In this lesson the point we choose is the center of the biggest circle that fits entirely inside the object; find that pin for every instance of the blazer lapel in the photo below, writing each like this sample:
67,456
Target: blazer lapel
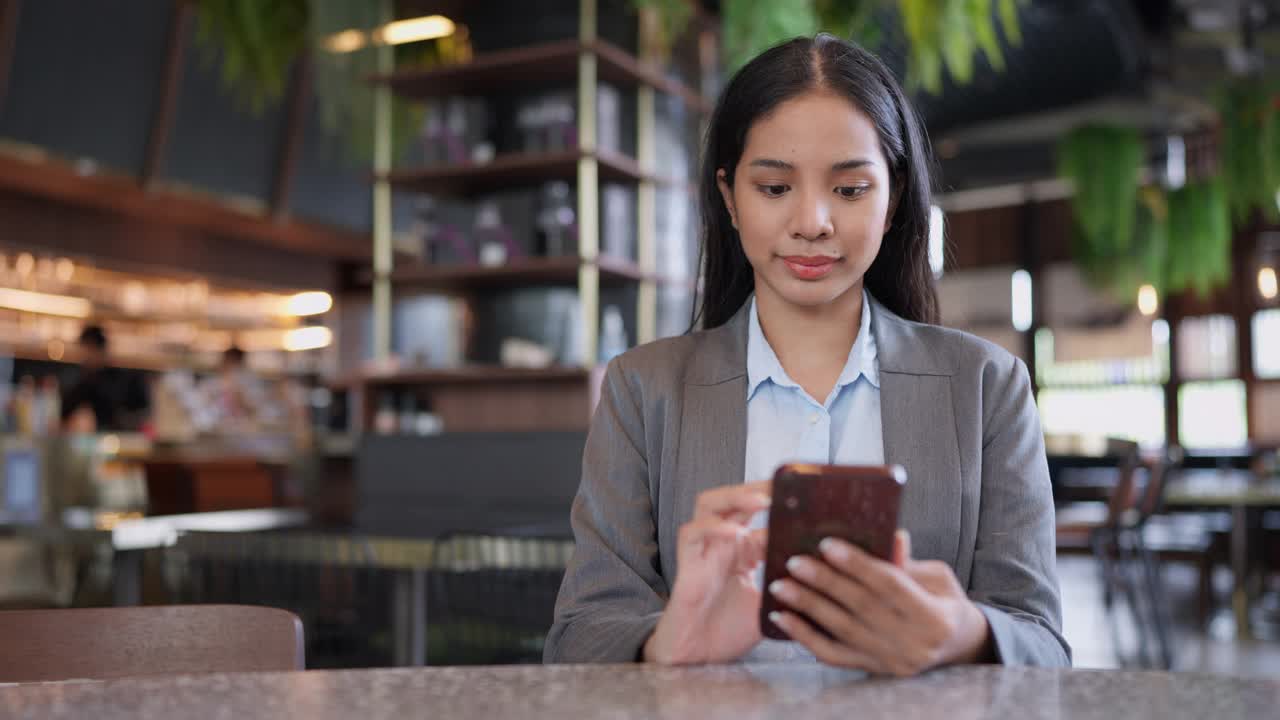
713,425
918,424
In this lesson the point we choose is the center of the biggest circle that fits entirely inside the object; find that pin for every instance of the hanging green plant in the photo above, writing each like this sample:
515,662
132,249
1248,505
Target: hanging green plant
751,26
344,94
257,43
1251,146
1199,238
673,18
950,32
941,34
1103,164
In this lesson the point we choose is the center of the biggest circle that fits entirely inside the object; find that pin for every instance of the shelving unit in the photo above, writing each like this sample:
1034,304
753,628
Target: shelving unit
469,399
494,398
502,70
525,272
517,169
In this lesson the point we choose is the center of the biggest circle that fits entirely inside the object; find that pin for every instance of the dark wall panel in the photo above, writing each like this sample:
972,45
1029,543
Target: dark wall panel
85,76
330,186
521,483
218,142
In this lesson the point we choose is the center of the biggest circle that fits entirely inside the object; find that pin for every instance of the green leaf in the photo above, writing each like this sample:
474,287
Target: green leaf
752,26
1199,238
1250,154
1103,165
956,43
1009,21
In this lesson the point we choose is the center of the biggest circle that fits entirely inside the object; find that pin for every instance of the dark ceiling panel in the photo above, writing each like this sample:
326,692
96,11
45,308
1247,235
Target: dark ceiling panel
1072,51
218,143
84,78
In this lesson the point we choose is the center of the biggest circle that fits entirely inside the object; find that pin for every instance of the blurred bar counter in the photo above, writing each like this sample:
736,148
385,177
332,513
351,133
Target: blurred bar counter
110,475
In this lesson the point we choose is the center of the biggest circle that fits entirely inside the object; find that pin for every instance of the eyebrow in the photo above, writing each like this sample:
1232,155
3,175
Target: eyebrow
784,165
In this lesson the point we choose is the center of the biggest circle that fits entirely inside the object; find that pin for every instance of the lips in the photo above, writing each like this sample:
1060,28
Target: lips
810,267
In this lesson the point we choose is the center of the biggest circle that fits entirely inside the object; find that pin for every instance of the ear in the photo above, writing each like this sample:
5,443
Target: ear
726,193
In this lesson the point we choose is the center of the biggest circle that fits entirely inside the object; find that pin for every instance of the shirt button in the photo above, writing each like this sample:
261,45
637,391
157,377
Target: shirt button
814,418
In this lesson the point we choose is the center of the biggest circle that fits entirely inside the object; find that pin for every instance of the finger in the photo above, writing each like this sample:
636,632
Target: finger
885,581
753,550
823,647
901,548
849,593
737,501
734,543
850,628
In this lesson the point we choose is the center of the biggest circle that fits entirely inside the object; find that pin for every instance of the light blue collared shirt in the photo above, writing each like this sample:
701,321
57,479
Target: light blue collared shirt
785,424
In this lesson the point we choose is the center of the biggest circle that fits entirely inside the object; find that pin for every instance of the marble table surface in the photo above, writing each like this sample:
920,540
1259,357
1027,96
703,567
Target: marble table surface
793,692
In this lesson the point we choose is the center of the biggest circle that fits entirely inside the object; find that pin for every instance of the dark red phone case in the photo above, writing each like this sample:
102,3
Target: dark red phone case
855,503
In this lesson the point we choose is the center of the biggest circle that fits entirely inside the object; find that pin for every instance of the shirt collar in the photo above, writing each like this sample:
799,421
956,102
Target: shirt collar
763,364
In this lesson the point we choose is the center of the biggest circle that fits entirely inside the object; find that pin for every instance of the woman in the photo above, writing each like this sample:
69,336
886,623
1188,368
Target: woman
819,345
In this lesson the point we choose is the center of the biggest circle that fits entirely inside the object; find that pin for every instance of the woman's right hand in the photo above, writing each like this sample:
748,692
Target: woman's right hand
713,612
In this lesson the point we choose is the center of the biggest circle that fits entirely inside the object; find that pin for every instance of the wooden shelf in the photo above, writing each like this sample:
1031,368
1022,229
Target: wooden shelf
475,374
506,70
35,173
518,273
506,171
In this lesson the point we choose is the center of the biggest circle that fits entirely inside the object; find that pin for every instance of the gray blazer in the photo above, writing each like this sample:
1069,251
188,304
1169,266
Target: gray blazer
957,413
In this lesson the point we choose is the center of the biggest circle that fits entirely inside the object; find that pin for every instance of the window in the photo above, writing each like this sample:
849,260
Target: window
1212,414
1121,355
1266,343
1104,382
1133,412
1207,347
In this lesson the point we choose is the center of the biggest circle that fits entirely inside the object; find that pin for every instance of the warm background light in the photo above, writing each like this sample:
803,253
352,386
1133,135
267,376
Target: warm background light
44,304
65,270
430,27
308,303
345,41
307,338
1267,283
1148,300
415,30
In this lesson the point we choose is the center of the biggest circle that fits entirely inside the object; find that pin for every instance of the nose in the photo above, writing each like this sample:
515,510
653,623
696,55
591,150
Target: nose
811,220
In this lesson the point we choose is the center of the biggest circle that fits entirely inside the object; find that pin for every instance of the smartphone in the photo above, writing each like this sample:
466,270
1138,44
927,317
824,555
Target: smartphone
855,503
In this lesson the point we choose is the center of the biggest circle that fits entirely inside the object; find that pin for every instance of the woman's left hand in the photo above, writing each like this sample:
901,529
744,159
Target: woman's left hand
898,618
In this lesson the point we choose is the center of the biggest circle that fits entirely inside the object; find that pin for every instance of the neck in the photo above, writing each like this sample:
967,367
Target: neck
812,343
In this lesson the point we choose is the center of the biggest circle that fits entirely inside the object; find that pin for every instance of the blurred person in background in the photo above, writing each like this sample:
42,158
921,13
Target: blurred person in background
103,399
234,392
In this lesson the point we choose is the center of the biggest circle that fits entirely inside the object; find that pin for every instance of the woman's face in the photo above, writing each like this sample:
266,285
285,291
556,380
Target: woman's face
811,200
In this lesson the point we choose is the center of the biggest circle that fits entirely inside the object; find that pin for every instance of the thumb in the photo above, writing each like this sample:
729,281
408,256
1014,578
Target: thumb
901,548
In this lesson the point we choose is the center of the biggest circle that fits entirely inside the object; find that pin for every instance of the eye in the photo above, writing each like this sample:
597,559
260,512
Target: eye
851,192
773,191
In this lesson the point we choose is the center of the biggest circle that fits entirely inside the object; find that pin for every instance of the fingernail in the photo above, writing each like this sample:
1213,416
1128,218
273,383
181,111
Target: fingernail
775,617
796,566
777,587
833,549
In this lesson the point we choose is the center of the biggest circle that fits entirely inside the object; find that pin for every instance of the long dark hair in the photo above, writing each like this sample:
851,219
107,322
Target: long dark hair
900,277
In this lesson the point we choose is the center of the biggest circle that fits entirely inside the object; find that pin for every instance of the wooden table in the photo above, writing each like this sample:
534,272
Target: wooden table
637,691
1244,494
